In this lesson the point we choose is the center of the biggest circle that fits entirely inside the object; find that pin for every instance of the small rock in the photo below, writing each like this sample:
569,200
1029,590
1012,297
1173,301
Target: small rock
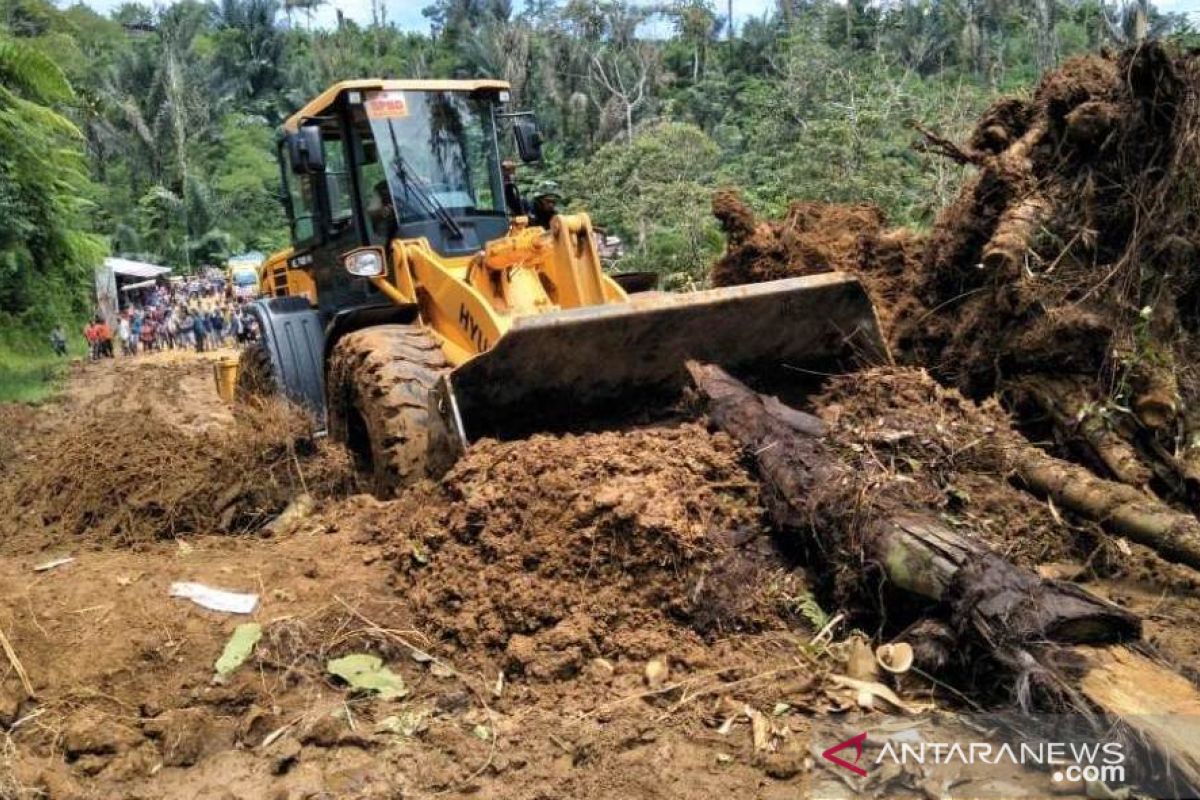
329,731
187,735
657,673
783,765
452,701
601,669
256,724
324,731
133,764
521,651
56,782
92,763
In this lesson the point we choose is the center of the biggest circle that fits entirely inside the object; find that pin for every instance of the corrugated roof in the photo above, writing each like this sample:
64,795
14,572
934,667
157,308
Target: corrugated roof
134,269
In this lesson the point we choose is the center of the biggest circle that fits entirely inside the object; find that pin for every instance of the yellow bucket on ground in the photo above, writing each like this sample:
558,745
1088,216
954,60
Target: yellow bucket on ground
225,372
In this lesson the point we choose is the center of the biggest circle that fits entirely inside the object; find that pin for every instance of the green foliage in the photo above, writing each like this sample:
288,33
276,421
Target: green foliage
45,258
655,194
29,369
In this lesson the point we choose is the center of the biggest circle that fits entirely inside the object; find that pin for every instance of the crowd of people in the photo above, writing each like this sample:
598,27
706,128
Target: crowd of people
169,317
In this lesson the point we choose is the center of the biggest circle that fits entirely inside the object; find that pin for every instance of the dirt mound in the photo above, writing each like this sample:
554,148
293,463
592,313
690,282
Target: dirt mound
814,238
128,478
1061,280
558,550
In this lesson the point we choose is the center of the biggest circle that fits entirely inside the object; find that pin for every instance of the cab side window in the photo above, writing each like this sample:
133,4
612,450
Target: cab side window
337,182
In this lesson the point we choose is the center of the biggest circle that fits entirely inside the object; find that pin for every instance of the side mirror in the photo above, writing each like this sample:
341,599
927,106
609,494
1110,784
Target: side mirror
305,150
529,140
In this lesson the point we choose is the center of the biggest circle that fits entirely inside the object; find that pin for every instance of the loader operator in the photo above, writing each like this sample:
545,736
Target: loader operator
381,211
546,198
545,204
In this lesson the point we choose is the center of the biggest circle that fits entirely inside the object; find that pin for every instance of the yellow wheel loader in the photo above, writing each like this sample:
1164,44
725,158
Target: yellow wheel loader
421,307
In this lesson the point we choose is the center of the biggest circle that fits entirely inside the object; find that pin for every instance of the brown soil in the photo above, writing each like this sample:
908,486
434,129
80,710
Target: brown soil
814,238
567,564
615,545
522,599
131,478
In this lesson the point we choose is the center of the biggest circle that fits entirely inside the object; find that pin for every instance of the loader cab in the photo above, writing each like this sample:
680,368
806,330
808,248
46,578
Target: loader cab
369,162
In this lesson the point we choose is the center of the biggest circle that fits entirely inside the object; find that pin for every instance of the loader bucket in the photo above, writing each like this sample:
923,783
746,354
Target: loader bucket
578,363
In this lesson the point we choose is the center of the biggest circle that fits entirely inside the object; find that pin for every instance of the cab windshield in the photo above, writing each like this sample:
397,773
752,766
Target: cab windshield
436,154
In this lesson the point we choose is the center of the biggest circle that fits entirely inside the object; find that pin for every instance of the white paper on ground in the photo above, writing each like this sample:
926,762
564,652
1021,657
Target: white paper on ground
215,599
58,562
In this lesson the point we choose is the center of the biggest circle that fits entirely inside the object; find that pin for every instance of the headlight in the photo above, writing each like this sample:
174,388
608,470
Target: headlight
366,263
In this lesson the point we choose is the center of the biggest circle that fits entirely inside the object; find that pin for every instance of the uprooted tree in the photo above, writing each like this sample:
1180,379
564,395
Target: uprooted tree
1062,280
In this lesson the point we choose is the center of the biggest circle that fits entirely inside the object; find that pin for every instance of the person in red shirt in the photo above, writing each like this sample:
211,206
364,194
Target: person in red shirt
104,338
89,333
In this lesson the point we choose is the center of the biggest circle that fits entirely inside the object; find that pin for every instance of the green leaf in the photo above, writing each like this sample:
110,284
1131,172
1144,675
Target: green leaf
366,673
239,647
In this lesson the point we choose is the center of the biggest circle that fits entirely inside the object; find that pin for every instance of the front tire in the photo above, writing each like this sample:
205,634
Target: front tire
380,386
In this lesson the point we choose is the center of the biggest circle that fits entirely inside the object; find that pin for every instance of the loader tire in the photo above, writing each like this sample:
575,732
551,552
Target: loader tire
255,379
381,404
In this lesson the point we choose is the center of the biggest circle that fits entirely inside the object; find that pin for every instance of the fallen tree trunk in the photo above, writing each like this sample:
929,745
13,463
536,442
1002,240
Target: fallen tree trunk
999,603
1121,509
1065,403
1028,622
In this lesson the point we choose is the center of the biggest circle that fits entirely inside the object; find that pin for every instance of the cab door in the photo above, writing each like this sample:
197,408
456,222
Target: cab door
342,223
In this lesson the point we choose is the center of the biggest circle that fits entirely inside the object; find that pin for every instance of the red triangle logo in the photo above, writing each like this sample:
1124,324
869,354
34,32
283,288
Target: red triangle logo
857,743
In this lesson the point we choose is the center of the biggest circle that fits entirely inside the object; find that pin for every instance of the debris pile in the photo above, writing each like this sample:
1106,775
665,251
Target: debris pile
913,444
1061,280
814,238
128,478
1063,276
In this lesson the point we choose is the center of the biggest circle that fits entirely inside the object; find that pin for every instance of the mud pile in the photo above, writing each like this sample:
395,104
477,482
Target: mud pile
814,238
558,550
127,478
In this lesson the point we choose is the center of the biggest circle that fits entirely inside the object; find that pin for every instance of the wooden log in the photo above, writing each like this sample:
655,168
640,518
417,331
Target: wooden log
1161,707
1066,403
1011,241
1121,509
1000,604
